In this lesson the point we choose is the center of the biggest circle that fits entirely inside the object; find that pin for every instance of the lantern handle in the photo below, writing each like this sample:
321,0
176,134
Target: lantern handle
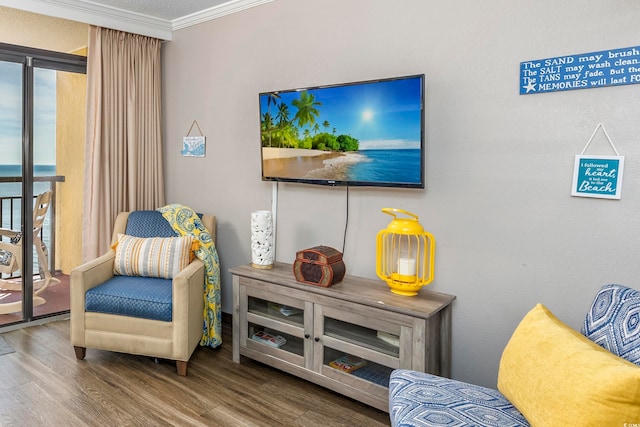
393,211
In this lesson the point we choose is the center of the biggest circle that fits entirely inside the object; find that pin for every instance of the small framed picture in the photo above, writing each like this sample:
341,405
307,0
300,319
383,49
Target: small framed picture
597,176
193,146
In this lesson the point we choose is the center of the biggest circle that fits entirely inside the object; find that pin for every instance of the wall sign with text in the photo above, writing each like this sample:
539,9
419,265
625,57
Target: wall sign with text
584,71
194,146
597,176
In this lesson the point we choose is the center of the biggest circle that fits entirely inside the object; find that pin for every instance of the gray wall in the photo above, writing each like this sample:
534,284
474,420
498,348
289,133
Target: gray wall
499,165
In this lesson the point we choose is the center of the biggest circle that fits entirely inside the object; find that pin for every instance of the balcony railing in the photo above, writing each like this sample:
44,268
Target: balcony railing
11,209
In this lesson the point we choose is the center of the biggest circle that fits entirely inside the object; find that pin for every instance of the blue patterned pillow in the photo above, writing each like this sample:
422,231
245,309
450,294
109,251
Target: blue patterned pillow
613,321
418,399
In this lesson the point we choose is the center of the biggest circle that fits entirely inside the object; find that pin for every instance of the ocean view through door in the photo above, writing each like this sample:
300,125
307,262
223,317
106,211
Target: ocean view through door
41,166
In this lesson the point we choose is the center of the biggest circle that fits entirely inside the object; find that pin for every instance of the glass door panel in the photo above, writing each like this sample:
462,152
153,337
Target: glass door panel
275,338
59,110
44,173
11,107
43,103
357,366
276,325
276,311
364,353
380,341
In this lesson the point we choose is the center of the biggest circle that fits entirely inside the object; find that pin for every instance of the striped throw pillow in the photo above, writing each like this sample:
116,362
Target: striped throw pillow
162,257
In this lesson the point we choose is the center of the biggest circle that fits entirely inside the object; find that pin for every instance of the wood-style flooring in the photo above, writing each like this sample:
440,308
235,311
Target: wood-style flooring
42,384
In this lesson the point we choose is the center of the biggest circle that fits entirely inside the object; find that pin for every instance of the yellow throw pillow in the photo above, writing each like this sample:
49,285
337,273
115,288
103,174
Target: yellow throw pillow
556,376
162,257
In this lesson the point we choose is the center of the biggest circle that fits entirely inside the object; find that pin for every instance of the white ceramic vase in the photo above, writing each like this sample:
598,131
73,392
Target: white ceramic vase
262,250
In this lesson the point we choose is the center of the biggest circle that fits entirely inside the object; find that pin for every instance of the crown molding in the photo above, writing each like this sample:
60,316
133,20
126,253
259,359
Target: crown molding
124,20
96,14
215,12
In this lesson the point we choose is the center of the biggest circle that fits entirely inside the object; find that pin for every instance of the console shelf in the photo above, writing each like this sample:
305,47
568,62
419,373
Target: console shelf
358,317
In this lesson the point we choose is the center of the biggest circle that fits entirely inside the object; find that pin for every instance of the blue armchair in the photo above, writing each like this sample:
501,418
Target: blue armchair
568,381
140,313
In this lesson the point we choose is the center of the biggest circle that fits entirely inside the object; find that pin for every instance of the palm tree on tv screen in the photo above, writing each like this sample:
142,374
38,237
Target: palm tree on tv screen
307,111
279,130
267,125
272,98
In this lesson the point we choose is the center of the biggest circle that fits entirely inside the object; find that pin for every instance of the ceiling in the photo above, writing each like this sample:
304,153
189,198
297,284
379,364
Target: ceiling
163,9
155,18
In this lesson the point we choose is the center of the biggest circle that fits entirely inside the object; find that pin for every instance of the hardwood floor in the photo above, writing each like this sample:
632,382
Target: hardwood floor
42,383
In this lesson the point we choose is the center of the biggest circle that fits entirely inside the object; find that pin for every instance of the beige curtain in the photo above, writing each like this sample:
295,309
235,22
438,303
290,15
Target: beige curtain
123,157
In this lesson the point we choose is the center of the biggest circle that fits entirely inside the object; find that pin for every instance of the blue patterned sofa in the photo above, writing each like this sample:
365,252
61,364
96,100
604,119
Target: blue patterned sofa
612,322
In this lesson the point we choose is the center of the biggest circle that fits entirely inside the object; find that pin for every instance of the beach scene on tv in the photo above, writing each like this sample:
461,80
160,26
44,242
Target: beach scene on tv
367,133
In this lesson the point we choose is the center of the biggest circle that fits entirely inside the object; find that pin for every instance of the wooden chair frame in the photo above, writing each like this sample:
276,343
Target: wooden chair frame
13,256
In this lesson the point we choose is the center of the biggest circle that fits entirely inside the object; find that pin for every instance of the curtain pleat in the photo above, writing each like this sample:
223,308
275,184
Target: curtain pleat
123,163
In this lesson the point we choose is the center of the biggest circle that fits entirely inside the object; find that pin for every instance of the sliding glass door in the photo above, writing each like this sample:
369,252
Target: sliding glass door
41,167
11,129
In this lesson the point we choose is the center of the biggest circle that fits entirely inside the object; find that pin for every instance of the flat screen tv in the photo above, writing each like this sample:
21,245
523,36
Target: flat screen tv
368,133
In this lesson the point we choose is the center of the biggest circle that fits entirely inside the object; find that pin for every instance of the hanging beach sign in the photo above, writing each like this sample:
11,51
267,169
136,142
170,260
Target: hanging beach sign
583,71
193,146
598,176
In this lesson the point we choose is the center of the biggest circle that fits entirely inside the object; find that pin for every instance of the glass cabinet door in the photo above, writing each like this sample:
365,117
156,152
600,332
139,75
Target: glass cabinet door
276,325
355,353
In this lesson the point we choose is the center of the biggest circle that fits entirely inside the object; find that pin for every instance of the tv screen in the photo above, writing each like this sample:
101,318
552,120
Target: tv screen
368,133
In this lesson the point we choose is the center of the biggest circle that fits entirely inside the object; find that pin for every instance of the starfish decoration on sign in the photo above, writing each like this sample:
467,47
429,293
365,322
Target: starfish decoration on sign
531,86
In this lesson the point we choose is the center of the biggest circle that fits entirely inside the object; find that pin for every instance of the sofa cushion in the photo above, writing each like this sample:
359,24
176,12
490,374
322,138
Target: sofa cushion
162,257
144,297
148,223
557,377
613,321
420,399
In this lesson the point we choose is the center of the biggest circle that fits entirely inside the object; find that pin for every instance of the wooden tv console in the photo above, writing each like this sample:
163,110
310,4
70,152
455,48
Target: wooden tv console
358,317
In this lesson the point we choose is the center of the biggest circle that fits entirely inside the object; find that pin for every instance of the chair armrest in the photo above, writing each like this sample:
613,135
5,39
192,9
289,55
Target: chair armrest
188,308
92,273
83,278
190,271
10,247
189,282
5,232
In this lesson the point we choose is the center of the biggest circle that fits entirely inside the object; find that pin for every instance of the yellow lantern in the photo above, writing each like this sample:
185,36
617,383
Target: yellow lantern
405,254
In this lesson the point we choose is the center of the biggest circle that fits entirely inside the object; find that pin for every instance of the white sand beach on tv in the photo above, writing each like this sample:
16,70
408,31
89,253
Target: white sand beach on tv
307,164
